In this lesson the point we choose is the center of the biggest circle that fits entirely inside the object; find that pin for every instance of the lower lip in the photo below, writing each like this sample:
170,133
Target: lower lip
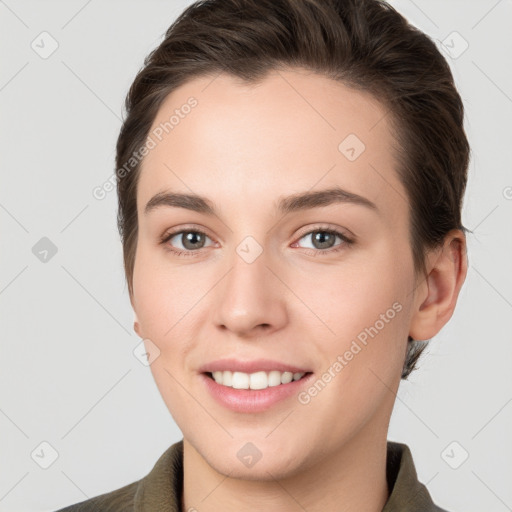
252,400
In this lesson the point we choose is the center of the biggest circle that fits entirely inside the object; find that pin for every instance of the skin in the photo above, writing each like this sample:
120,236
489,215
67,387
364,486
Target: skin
244,147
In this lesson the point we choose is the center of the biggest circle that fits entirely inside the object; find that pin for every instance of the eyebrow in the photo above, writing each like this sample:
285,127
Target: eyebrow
293,203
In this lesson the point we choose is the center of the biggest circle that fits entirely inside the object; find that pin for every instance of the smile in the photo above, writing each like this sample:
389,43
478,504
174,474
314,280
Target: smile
256,380
253,392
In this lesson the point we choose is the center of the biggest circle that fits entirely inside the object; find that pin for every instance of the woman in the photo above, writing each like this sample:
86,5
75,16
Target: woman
290,179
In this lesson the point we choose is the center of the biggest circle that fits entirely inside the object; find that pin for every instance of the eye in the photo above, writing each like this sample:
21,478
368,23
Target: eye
191,240
188,242
323,240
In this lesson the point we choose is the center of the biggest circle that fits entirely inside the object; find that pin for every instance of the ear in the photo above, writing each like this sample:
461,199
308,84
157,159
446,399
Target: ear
436,295
136,325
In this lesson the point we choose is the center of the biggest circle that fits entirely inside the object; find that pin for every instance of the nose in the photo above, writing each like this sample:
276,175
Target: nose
250,299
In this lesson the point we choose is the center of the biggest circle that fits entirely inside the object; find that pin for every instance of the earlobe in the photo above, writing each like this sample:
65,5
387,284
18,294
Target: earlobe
136,325
447,268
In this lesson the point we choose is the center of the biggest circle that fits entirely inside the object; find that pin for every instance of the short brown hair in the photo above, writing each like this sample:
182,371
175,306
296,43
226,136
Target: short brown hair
365,44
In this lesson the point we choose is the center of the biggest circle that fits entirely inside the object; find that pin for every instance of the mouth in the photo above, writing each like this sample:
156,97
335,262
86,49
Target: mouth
253,385
255,392
255,381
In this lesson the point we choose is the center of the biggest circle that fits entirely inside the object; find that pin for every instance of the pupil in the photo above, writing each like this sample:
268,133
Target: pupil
321,236
190,239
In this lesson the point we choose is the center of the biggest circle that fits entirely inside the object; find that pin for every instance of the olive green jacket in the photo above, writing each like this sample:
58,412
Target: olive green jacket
161,489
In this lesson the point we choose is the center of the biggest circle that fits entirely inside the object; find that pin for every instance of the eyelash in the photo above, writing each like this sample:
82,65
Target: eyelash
347,242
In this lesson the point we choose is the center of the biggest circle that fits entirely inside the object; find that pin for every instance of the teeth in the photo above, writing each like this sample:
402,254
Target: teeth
286,377
274,378
257,380
240,380
227,378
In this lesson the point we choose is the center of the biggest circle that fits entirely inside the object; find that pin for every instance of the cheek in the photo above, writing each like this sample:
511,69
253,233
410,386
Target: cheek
153,297
168,301
366,311
153,311
351,297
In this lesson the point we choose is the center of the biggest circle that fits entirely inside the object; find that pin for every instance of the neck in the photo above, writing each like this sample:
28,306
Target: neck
352,478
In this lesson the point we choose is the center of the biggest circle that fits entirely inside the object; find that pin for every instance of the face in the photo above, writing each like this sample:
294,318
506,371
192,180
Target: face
254,286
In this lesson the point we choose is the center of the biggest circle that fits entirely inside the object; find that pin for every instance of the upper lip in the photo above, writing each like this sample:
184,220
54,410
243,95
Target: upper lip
255,365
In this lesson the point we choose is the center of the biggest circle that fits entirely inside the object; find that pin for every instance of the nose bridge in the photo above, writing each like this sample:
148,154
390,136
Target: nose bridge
250,296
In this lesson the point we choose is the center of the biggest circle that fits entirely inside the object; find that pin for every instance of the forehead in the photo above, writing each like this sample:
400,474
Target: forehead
292,131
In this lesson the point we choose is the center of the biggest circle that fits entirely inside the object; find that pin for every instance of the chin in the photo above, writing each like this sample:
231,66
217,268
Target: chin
264,470
257,460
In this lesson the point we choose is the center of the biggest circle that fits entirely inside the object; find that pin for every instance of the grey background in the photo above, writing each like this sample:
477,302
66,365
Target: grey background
68,374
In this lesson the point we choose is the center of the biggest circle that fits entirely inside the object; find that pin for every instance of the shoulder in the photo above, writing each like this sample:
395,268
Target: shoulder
120,499
406,491
161,487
